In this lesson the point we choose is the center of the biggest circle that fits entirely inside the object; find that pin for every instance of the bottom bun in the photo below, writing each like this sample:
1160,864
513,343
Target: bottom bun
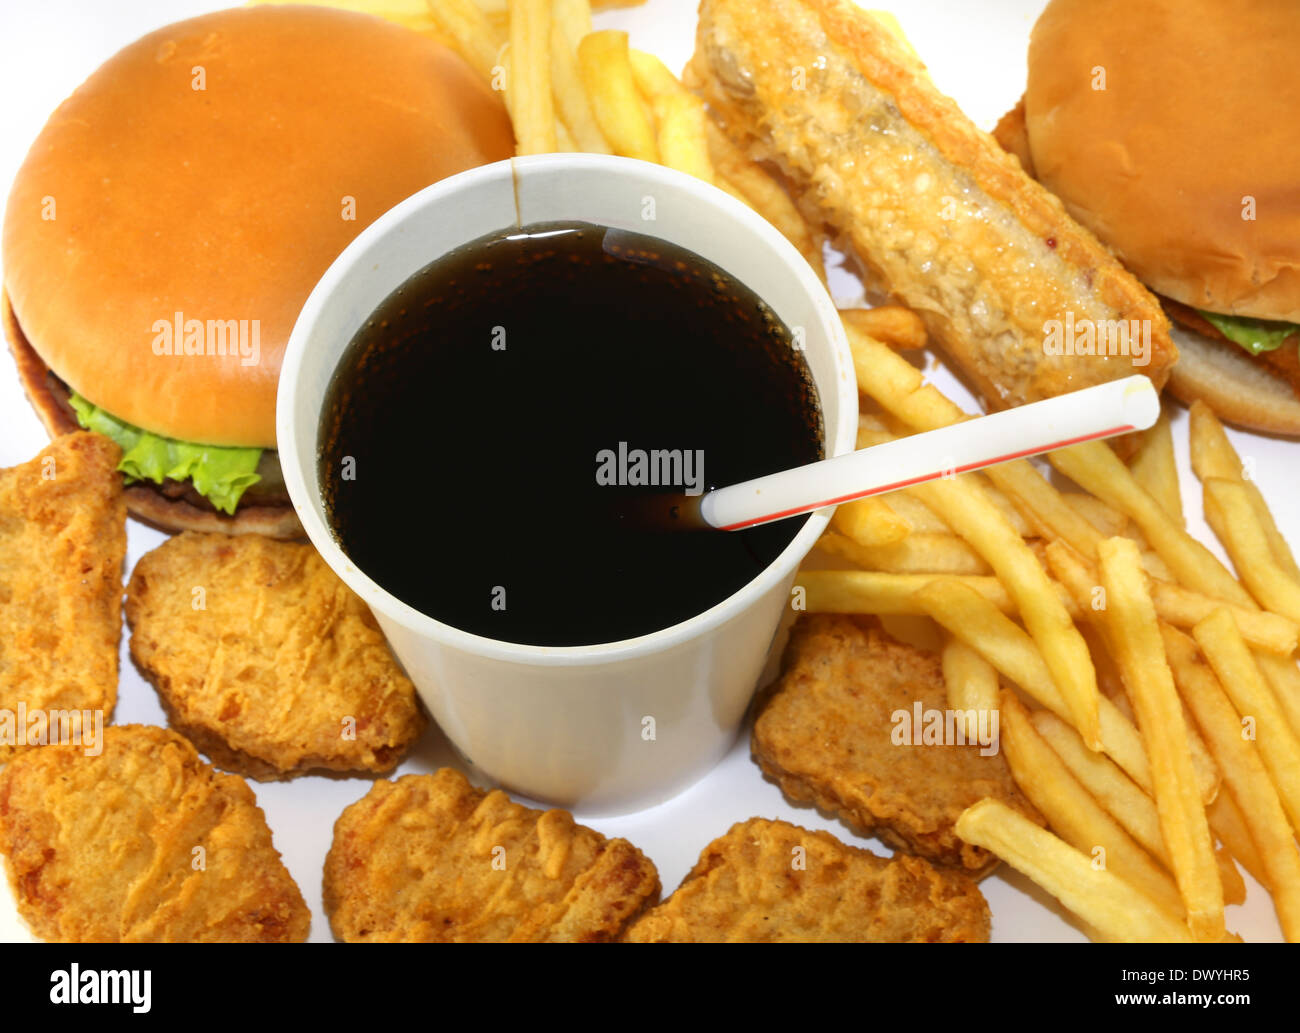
144,501
152,507
1240,389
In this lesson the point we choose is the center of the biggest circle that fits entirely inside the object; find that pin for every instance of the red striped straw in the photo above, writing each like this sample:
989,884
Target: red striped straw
1094,413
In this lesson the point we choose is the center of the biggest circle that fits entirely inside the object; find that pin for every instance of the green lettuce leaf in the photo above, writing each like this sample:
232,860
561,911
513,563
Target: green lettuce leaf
1255,335
220,474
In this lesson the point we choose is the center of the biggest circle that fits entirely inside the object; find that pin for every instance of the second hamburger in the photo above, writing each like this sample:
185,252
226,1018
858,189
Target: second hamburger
1169,128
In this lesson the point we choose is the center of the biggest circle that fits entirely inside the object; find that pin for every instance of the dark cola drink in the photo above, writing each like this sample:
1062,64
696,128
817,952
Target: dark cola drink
487,428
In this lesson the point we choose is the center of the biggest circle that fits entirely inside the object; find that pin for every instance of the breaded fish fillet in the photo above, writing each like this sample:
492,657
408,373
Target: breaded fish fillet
770,881
825,734
429,858
142,843
265,660
938,214
62,542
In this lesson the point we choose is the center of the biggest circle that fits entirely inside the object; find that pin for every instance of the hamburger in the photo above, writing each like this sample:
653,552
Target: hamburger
175,212
1169,128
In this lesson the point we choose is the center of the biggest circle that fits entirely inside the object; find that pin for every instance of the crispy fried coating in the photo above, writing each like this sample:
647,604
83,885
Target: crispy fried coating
940,217
770,881
825,734
142,843
62,542
265,660
429,858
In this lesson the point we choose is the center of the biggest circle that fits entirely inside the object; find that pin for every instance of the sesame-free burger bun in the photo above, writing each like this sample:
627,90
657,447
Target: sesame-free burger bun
215,168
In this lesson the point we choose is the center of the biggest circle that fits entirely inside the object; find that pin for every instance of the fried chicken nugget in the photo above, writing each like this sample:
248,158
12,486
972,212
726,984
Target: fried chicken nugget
62,542
770,881
429,858
142,843
265,660
825,733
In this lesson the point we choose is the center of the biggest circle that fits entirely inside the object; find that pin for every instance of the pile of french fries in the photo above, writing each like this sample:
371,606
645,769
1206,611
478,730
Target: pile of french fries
1149,700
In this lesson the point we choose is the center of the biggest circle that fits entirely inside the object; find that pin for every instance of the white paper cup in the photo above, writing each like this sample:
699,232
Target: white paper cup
610,727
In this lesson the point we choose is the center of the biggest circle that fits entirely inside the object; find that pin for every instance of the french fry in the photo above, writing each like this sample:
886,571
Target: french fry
1283,675
532,109
573,18
1010,513
1214,456
1226,823
915,554
1108,521
870,521
1108,677
878,592
765,195
681,135
895,325
1234,886
1094,467
1134,636
1279,747
680,118
571,96
971,684
413,14
918,632
1155,469
1177,605
1244,776
476,39
1048,511
1071,811
869,436
607,75
918,515
652,76
1008,647
1234,520
564,141
897,385
1114,908
968,509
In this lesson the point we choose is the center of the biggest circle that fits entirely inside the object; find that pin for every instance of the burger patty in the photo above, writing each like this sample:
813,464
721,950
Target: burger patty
1283,361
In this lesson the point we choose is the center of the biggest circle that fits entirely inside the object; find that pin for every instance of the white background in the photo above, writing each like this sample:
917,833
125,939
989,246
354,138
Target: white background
975,52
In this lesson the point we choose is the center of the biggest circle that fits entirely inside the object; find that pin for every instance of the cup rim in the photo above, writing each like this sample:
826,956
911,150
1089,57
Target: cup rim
839,439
